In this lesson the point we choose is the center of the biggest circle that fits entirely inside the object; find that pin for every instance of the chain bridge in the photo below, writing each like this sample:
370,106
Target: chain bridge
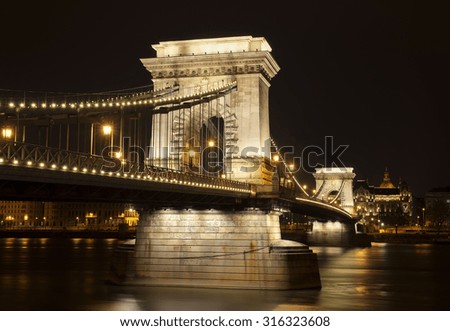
193,148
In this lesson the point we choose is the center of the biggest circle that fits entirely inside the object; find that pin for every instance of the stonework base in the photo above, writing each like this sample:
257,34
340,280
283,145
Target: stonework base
216,249
331,233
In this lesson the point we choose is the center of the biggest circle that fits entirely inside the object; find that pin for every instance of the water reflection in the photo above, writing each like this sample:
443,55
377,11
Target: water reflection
69,274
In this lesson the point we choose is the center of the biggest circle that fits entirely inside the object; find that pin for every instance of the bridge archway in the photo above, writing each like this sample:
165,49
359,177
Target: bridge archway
212,146
333,195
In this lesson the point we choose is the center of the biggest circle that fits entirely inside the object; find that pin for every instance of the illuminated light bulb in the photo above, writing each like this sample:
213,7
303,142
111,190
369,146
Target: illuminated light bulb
64,167
72,105
75,169
22,105
88,105
53,166
29,163
53,105
63,105
1,160
44,105
125,175
7,133
102,171
84,170
118,174
107,129
16,162
11,105
110,104
33,105
94,171
117,104
41,164
103,104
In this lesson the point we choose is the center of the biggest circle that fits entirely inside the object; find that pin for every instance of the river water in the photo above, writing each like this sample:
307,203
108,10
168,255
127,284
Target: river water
69,274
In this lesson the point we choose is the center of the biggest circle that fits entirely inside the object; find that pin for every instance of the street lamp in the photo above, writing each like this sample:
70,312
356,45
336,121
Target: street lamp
7,133
191,155
108,131
423,217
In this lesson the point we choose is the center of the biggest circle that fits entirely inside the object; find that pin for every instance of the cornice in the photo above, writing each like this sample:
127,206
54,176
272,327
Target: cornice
212,65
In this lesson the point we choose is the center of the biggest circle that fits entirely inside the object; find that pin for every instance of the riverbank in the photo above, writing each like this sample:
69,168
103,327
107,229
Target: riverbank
410,238
114,234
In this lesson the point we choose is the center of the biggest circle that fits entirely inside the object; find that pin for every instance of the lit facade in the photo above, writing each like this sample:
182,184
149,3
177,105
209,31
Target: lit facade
69,215
383,205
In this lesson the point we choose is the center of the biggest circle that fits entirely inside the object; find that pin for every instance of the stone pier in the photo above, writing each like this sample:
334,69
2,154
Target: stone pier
217,249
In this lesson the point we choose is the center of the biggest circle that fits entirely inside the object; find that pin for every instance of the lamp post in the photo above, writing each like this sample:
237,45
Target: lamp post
191,157
108,131
7,133
423,217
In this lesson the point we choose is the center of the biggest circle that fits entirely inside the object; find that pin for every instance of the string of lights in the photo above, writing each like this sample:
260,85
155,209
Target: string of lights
288,168
153,98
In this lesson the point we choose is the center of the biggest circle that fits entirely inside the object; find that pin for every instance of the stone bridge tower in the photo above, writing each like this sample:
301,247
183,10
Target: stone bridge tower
238,122
335,185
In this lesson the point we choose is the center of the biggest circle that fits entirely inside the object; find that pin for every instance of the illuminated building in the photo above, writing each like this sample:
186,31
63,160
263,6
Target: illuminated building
68,215
383,205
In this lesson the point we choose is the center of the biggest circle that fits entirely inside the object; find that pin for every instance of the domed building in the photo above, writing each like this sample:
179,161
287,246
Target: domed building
385,204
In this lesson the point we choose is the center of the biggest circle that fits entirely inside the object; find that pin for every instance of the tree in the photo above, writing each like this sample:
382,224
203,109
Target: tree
439,214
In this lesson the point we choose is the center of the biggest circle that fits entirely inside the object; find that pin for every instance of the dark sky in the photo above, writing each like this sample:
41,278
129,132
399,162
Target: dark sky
372,74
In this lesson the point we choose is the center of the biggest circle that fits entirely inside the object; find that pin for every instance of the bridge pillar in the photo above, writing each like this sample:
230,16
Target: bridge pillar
238,122
336,184
219,249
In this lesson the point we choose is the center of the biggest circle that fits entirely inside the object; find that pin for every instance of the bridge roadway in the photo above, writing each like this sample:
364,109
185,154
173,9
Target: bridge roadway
24,175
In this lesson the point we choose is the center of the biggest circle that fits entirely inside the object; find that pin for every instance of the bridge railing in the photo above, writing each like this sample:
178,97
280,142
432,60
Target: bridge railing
36,156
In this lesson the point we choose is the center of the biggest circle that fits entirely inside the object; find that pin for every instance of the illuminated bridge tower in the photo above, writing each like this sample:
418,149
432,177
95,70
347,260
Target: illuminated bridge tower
216,245
235,125
335,185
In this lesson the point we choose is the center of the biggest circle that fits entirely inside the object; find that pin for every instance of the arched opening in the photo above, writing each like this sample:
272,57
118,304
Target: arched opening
212,144
332,195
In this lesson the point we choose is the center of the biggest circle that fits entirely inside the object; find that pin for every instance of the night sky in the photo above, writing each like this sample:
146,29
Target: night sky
372,74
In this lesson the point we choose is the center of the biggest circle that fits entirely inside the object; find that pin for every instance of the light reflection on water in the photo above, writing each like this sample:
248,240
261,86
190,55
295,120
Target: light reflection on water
69,274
